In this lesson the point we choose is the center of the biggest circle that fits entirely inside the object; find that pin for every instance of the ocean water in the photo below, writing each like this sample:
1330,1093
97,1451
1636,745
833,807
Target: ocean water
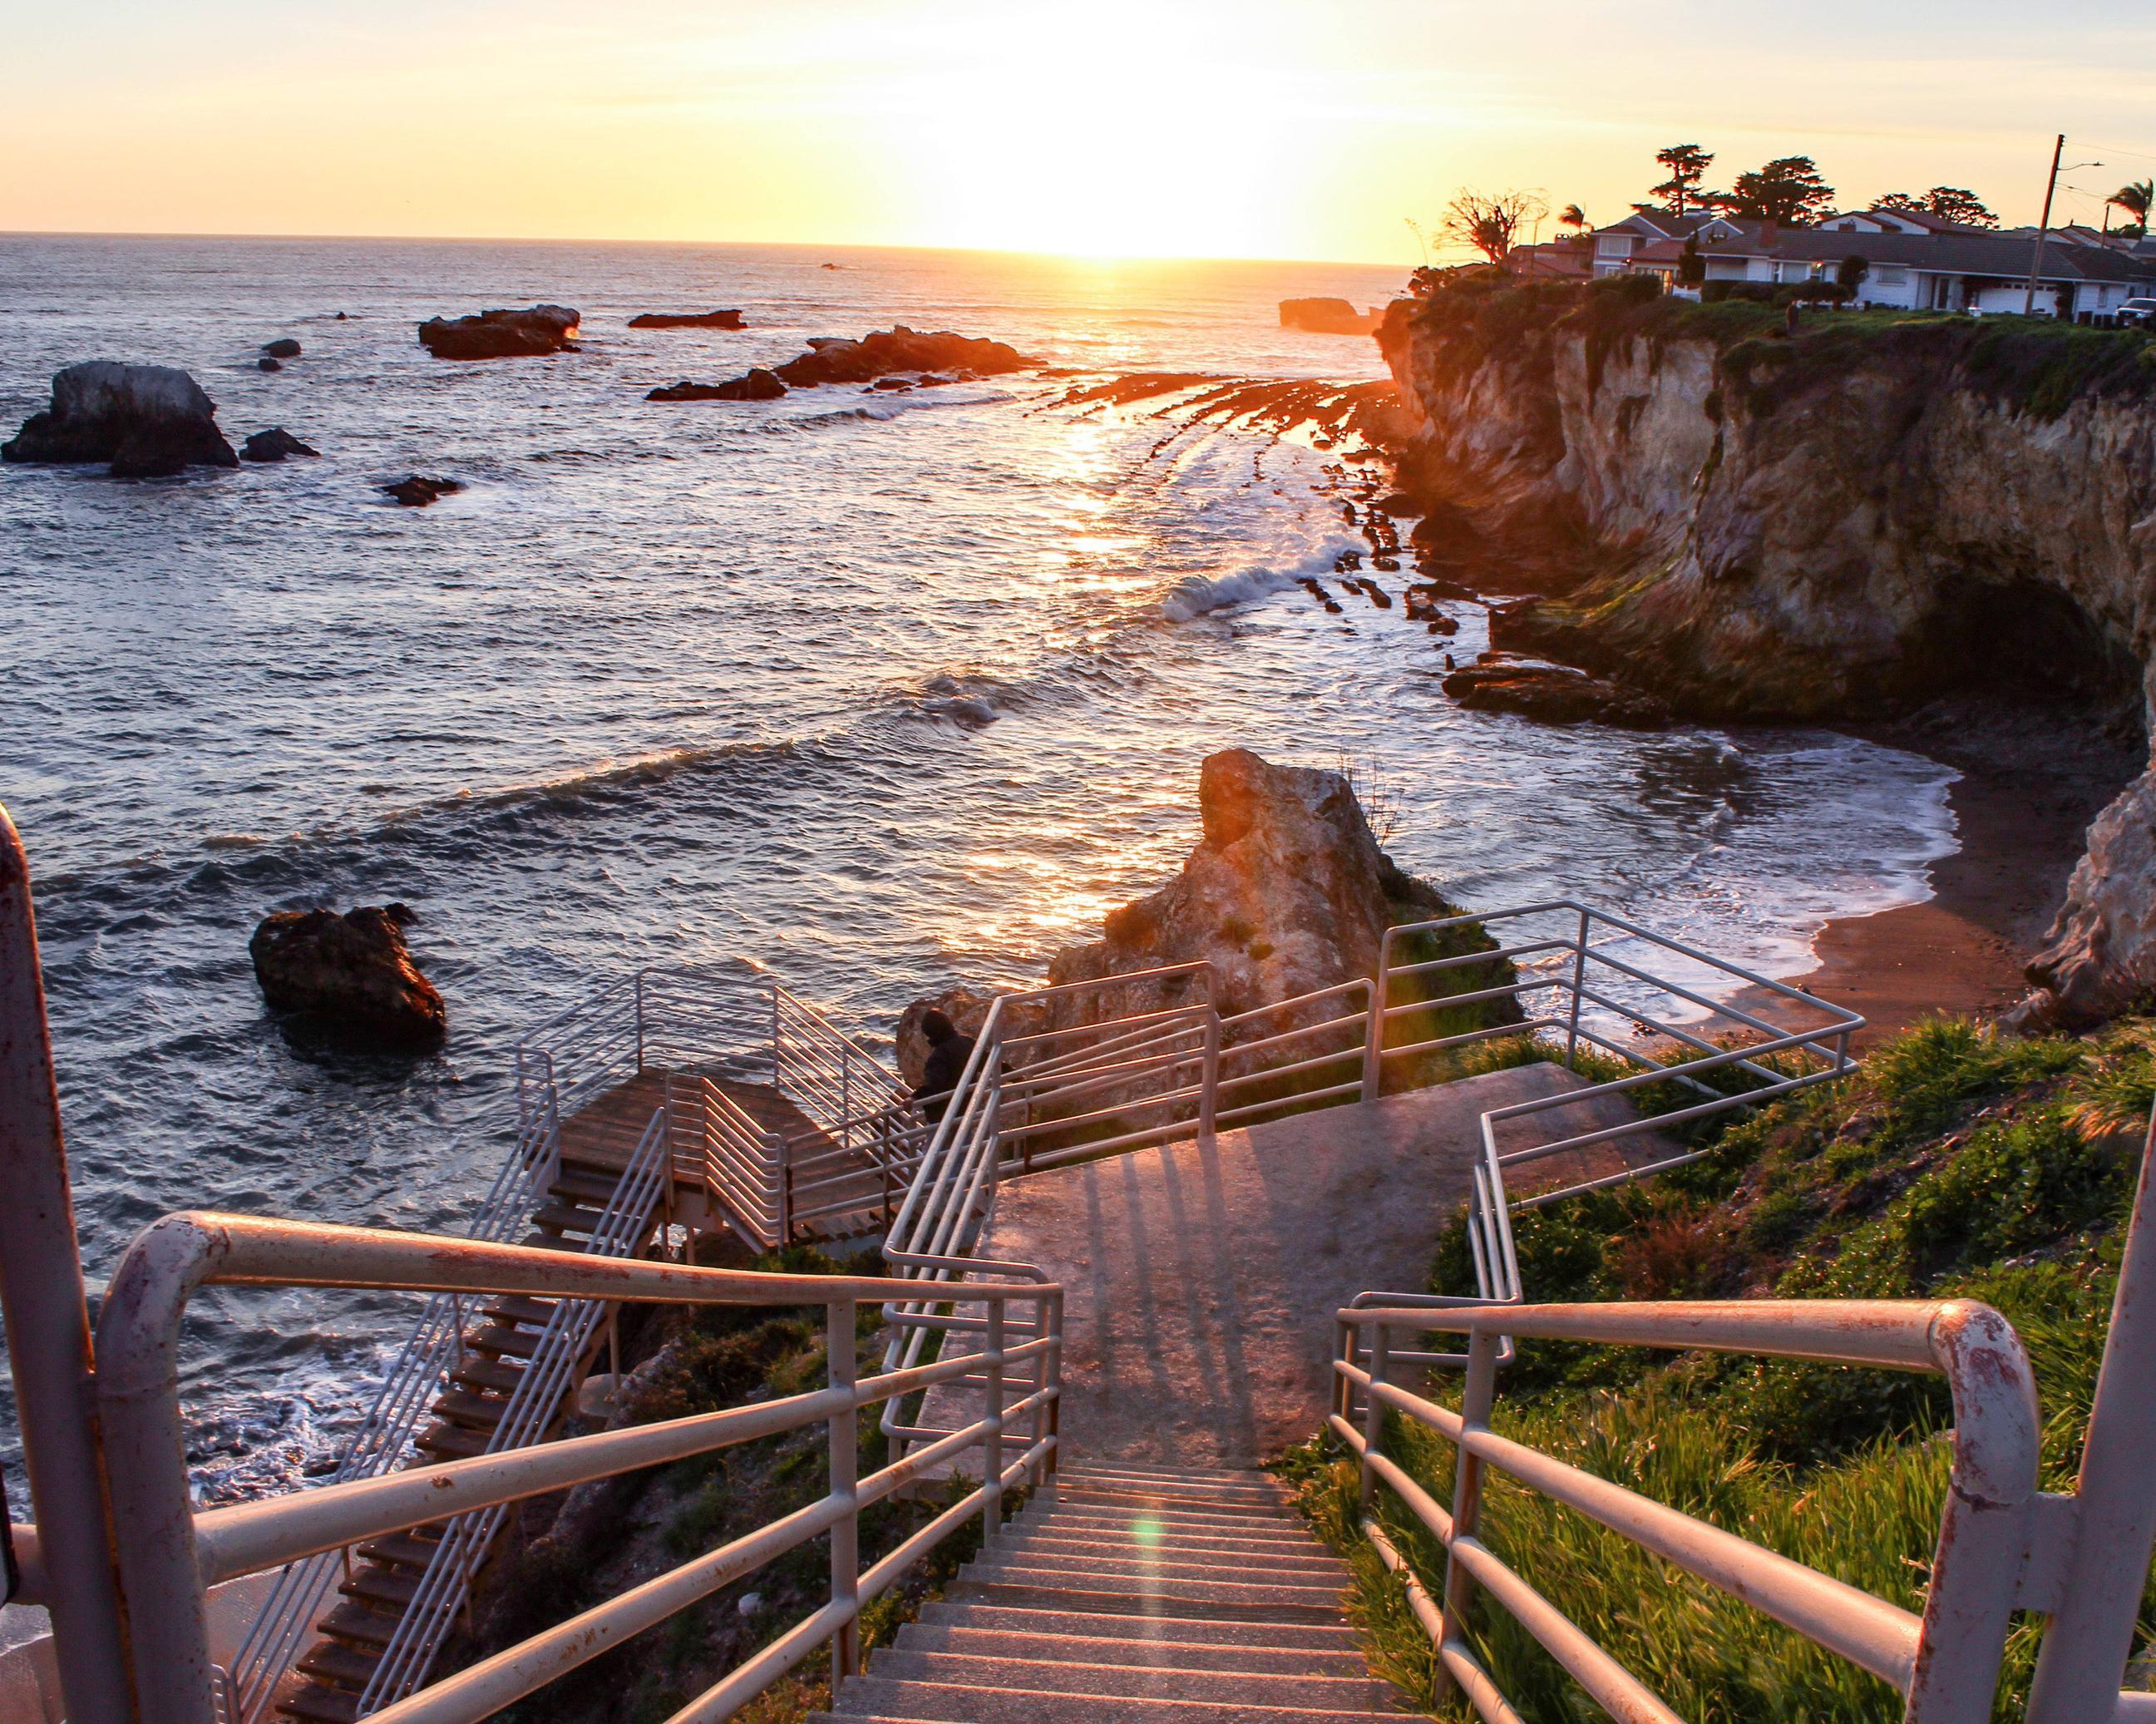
879,693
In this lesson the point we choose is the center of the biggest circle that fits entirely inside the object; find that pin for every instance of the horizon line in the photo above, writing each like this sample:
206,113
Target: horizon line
767,244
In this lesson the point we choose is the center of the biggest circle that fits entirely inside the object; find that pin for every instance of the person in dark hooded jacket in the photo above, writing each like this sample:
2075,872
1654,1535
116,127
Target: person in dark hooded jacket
947,1053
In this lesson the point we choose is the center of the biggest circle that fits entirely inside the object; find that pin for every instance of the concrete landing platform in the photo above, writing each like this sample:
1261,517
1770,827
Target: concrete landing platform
1201,1280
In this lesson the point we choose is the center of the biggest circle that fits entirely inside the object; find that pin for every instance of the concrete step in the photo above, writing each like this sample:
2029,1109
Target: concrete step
1115,1576
958,1670
1247,1487
1113,1594
1196,1627
1168,1652
1160,1542
1230,1569
1107,1510
940,1703
1209,1502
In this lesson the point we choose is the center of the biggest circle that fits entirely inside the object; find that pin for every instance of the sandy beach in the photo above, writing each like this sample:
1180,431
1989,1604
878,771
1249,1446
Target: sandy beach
2031,782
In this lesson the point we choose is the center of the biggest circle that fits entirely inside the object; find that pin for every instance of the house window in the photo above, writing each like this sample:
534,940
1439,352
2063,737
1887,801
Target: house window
1613,245
1886,276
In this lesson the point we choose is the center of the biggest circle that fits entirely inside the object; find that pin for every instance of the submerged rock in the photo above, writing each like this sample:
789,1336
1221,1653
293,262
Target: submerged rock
284,347
1555,694
501,334
352,973
758,385
687,320
149,421
274,444
419,491
266,363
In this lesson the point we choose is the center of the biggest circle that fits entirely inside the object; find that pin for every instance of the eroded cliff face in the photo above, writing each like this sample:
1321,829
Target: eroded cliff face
1839,525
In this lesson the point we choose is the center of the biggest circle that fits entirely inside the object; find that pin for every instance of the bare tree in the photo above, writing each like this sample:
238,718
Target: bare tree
1490,222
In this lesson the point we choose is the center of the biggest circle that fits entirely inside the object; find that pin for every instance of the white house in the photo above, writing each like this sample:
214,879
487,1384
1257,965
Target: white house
1617,246
1948,269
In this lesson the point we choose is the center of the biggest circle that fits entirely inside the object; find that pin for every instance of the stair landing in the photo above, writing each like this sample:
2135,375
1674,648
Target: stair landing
1201,1279
1133,1595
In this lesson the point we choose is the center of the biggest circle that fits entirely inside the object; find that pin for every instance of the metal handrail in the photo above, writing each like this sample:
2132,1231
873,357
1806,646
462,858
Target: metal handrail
624,1227
174,1553
1946,1663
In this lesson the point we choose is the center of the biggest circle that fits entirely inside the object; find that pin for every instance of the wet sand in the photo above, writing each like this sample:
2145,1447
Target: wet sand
2031,782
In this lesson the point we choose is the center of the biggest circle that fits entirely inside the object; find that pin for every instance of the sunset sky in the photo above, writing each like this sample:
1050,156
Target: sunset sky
1256,128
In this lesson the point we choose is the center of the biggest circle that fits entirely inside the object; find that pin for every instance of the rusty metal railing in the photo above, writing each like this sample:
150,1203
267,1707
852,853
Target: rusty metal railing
173,1554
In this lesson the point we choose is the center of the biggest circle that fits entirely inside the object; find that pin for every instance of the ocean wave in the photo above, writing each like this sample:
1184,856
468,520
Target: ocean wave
1196,594
881,409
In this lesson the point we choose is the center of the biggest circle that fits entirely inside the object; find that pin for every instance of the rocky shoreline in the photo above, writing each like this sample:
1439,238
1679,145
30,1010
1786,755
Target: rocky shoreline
1845,528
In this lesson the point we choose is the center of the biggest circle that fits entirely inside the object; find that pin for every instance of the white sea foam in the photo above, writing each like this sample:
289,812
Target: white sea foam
1196,594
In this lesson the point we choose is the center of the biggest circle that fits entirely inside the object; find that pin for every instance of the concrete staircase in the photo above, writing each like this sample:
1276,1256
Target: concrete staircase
1133,1595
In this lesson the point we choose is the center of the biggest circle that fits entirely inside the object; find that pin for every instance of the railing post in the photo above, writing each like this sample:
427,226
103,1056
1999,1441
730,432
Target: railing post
1208,1079
992,1436
1479,1390
1373,1416
1373,1033
784,1164
845,1428
48,1323
1578,981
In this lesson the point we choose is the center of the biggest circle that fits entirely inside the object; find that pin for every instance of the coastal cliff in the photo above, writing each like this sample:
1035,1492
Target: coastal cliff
1878,513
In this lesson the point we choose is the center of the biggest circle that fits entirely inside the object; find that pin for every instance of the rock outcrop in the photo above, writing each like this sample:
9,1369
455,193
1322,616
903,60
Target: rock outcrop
274,444
1555,694
149,421
1327,316
687,320
352,974
885,353
758,385
501,334
284,347
418,491
1286,893
1846,524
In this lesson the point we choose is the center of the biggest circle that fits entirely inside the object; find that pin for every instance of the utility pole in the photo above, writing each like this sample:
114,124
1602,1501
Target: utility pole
2044,227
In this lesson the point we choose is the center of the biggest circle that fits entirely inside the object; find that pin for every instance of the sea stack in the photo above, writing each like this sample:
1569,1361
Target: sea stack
149,421
352,974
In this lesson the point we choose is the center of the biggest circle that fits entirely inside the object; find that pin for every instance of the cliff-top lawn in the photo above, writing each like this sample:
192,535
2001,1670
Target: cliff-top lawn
2037,365
1955,1163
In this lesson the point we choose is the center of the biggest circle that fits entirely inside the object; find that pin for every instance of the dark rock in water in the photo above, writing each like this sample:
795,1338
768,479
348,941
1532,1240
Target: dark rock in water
687,320
352,973
274,444
1399,505
758,385
890,383
266,363
419,491
344,316
1553,694
883,352
933,382
501,334
284,347
150,421
1327,316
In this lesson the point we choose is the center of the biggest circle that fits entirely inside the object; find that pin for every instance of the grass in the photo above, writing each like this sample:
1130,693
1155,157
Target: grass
2038,366
1958,1163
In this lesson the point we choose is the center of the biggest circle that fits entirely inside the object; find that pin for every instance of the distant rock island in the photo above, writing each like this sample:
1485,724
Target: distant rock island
502,334
687,320
880,353
1328,317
